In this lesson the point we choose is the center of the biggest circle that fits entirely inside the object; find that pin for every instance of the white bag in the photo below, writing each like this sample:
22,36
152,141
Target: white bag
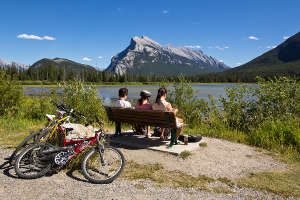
79,131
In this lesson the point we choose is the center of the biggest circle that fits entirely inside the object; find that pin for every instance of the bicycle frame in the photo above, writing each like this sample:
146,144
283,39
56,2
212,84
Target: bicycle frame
80,146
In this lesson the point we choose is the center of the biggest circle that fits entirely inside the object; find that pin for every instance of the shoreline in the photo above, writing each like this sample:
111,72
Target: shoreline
134,84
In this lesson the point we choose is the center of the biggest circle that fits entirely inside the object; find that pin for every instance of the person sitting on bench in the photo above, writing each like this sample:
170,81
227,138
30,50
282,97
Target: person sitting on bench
162,105
121,103
143,104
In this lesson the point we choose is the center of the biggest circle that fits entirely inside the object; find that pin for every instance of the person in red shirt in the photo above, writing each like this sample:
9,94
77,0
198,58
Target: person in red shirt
143,104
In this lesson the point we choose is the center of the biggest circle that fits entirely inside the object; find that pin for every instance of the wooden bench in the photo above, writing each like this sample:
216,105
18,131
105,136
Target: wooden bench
144,118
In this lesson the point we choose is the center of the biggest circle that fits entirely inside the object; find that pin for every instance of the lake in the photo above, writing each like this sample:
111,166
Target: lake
111,92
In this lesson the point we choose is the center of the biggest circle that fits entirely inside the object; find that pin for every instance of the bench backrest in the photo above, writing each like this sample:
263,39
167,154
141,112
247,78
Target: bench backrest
142,117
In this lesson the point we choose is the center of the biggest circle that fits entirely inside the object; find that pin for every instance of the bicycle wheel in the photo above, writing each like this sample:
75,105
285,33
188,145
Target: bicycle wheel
31,164
97,171
29,140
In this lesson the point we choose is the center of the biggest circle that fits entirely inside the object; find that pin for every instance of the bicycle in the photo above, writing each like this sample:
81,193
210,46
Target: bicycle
102,164
44,134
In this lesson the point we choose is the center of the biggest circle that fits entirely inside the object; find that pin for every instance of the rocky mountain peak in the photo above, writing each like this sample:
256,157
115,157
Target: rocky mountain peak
143,51
5,63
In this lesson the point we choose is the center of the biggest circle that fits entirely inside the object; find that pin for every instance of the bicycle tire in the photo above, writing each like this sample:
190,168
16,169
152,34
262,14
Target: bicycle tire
86,172
24,144
46,165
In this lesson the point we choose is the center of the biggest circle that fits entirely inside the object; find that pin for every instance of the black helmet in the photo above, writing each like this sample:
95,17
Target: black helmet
145,93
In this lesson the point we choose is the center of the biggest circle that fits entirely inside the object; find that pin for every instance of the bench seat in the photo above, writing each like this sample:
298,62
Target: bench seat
144,118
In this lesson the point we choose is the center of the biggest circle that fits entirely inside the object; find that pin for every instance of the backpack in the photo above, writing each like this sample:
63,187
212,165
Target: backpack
157,132
191,138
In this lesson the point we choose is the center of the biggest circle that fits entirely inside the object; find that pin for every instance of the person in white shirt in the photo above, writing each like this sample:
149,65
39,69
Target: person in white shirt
121,103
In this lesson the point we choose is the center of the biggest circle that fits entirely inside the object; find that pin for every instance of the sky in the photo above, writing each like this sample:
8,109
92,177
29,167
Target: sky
92,31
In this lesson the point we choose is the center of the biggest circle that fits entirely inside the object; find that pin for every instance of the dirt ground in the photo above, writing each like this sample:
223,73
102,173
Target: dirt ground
219,159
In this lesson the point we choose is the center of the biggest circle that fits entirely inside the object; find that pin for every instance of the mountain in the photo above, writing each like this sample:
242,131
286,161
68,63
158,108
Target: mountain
146,56
67,65
4,63
61,69
282,60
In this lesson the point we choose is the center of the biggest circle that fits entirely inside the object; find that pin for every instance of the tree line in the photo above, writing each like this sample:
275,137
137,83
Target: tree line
56,74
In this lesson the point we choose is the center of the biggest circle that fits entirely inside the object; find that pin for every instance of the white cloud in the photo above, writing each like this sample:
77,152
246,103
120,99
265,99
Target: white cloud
165,11
238,63
86,59
49,38
222,48
253,37
34,37
285,37
221,61
271,47
193,46
100,57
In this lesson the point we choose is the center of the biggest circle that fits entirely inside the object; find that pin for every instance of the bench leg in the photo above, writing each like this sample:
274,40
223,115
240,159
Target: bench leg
173,137
117,128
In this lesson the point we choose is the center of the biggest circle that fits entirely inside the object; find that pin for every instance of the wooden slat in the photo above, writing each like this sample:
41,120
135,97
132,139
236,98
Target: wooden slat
144,117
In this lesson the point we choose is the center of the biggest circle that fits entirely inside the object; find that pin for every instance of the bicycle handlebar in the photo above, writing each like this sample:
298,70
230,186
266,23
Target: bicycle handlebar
69,110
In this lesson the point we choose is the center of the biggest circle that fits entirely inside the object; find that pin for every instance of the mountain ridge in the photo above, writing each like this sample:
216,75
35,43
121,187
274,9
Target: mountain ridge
146,56
5,63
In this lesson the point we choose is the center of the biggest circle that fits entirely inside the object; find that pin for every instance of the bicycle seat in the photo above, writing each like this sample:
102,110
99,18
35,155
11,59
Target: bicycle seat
60,113
50,117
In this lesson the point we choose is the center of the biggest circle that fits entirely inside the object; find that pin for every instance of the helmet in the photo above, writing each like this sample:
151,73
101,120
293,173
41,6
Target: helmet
145,93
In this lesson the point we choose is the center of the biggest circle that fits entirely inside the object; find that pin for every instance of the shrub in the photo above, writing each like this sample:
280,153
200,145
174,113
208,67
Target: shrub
10,95
248,107
81,98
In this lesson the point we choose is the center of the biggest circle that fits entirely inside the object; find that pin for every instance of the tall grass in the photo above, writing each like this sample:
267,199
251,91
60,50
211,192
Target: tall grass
265,116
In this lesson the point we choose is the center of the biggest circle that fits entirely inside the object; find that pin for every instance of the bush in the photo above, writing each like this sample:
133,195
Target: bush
248,107
10,95
270,134
35,108
81,98
265,116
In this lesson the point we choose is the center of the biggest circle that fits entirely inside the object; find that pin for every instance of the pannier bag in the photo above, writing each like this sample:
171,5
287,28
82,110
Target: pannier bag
157,132
191,138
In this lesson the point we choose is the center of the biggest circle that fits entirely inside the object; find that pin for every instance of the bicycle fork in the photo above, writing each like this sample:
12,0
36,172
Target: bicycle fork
101,151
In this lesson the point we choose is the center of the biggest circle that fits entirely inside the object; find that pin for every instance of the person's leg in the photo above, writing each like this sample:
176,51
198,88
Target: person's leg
162,133
148,131
117,128
179,129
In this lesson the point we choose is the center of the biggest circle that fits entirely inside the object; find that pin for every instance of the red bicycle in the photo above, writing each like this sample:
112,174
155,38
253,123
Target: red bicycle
102,164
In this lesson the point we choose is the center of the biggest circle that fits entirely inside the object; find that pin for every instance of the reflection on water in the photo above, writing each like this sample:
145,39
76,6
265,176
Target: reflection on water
109,93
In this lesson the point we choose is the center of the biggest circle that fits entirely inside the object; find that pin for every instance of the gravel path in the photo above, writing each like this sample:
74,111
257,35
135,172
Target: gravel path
220,158
73,186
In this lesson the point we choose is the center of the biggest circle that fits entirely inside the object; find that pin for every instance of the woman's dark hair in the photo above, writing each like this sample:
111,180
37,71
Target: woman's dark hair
123,92
161,92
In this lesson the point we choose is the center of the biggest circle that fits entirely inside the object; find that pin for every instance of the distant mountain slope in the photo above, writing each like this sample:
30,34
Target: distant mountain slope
4,63
145,56
68,65
284,59
60,69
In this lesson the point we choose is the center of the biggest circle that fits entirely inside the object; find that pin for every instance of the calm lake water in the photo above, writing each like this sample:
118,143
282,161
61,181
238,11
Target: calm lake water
111,92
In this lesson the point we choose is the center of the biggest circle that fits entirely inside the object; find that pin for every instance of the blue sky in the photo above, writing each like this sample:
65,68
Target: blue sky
92,31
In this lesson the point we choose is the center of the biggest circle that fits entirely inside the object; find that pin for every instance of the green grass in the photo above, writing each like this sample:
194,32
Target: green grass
139,186
163,177
185,154
226,180
222,189
13,130
203,144
285,183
